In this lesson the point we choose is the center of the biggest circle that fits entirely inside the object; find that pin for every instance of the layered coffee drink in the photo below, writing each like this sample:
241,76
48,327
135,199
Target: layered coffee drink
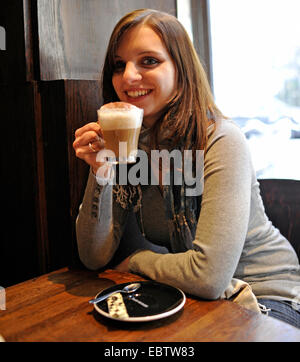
121,124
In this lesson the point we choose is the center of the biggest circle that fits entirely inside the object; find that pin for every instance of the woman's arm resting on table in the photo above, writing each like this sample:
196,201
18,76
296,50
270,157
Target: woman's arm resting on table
207,270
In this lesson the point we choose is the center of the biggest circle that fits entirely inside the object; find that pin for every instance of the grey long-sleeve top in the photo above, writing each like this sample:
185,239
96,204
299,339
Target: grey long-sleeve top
234,238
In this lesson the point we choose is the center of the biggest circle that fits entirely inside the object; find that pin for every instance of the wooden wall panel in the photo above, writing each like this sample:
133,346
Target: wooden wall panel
42,181
66,106
55,172
83,98
19,248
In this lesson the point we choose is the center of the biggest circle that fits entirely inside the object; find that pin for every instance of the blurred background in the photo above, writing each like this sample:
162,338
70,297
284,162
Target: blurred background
254,60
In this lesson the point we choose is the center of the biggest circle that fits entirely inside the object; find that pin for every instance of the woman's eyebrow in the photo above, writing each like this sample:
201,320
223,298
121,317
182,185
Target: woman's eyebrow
144,52
150,51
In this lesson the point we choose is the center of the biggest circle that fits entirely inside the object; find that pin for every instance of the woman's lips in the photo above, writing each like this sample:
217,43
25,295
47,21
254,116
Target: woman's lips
137,93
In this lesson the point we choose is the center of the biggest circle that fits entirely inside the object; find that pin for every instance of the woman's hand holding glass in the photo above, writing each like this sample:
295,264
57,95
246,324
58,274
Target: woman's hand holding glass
88,142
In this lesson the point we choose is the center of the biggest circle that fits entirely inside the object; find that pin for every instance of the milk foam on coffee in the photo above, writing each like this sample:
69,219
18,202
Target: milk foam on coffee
119,115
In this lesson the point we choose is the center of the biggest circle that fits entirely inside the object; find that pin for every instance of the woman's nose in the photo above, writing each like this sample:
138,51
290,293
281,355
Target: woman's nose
131,73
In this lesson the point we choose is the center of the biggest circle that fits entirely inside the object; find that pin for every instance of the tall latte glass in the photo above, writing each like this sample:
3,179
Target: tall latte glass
121,124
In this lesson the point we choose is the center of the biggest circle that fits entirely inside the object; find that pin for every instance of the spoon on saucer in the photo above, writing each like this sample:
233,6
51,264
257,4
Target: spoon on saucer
130,288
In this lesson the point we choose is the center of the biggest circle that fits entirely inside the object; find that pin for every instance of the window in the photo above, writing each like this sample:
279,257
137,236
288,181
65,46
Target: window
253,61
255,48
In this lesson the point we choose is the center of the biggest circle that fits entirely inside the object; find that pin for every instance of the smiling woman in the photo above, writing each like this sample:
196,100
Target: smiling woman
217,243
158,52
144,73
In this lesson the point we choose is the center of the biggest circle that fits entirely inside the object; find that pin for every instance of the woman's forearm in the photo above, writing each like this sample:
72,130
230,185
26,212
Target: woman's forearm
96,239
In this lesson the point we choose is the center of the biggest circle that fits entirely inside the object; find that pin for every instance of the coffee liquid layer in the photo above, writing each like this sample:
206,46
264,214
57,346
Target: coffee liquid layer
130,136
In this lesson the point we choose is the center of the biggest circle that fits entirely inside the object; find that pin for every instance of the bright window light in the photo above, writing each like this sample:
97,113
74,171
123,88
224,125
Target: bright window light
256,78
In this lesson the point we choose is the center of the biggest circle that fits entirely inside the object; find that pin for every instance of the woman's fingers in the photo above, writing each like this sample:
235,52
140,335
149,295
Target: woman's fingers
88,141
93,146
92,126
86,138
88,134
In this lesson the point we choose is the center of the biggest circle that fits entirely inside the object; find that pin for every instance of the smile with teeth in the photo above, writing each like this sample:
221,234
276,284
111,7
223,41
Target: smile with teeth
138,93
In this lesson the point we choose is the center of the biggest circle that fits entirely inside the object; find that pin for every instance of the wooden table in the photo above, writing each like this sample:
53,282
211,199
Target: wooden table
54,307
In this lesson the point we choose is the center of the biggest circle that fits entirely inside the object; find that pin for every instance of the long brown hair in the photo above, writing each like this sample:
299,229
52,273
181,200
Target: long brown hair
188,114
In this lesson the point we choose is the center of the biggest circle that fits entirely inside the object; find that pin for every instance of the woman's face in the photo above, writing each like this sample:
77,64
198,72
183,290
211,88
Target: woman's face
144,74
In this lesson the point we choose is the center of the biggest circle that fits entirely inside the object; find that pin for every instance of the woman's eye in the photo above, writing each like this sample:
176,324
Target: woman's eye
150,61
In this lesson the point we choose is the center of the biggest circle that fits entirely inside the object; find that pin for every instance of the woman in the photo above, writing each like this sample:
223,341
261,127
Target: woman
214,239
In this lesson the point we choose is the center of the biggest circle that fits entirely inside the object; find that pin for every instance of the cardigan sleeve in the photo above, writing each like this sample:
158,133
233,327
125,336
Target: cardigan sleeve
99,224
207,269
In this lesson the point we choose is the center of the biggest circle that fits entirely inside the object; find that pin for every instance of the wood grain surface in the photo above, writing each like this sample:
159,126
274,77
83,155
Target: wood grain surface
54,307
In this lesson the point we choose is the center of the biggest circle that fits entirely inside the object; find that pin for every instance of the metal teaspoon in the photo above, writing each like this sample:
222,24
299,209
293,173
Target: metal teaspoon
130,288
